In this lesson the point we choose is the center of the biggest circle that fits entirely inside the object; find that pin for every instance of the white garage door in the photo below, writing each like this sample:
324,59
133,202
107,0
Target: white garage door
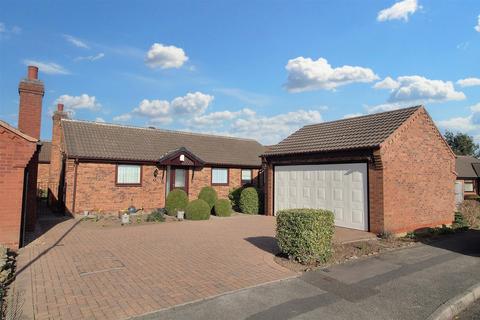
341,188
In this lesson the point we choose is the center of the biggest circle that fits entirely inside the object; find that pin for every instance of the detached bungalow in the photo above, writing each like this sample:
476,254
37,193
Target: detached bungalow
107,167
385,172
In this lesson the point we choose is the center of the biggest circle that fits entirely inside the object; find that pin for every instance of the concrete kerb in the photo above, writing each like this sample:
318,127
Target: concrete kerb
457,304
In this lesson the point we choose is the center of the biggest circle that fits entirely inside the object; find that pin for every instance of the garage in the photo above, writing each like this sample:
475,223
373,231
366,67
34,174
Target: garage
388,172
341,188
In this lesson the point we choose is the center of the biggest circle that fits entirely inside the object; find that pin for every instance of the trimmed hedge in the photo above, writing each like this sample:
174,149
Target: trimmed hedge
249,201
197,210
223,208
305,235
177,199
209,195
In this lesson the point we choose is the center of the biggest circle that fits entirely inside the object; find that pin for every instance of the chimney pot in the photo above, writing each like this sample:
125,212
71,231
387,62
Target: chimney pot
60,107
32,73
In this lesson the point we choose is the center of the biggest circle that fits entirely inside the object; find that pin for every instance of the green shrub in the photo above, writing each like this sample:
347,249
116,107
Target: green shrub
250,201
177,199
470,213
234,196
305,235
157,215
197,210
209,195
223,208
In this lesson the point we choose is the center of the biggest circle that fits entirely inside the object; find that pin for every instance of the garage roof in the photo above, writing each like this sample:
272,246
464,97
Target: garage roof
353,133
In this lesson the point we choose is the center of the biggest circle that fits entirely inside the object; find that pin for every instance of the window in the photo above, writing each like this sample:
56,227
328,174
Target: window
219,176
128,174
468,186
246,176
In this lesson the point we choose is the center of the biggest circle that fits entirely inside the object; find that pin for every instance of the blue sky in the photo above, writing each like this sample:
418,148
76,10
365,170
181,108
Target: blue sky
257,69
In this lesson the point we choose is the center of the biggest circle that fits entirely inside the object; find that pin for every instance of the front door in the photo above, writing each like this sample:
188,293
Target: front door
179,178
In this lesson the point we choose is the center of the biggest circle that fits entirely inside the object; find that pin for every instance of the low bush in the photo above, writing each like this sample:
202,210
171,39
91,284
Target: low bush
177,200
470,213
197,210
157,215
209,195
250,201
223,208
305,235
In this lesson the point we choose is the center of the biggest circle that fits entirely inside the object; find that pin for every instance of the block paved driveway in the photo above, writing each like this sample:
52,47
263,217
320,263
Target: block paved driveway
77,270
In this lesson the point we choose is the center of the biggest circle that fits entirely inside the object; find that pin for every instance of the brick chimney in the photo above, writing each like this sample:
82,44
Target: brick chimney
31,92
56,160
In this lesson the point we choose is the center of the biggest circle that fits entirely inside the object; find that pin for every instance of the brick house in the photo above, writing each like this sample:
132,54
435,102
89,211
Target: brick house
106,167
18,163
468,169
385,172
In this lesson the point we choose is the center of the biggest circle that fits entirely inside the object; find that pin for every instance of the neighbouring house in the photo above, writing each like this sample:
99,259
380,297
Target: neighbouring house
384,172
468,170
107,167
19,150
43,168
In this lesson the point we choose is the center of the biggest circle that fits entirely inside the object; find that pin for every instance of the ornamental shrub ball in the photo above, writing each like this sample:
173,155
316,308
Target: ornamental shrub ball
209,195
197,210
177,200
249,201
223,208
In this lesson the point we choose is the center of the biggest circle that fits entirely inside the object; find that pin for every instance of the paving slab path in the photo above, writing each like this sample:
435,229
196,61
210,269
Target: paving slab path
409,283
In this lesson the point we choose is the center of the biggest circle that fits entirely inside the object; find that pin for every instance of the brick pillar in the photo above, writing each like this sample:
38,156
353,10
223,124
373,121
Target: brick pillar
31,92
56,160
269,190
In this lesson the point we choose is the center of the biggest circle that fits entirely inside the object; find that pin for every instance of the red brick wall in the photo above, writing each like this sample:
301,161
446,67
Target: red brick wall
15,154
418,177
96,189
56,160
42,176
203,177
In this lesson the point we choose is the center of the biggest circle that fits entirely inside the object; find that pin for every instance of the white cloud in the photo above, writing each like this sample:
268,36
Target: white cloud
75,41
217,118
465,124
99,119
47,67
399,11
91,58
195,103
163,111
417,89
164,57
122,118
5,32
477,27
386,107
153,108
305,74
352,115
469,82
387,83
83,101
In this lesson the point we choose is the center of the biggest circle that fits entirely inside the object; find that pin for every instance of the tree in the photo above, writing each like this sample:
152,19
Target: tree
461,143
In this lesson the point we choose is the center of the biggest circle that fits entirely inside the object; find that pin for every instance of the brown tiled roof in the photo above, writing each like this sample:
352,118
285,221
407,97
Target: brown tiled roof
465,166
45,150
353,133
95,140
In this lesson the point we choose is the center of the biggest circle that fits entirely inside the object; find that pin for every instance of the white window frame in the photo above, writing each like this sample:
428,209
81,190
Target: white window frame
122,180
246,181
223,182
469,183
